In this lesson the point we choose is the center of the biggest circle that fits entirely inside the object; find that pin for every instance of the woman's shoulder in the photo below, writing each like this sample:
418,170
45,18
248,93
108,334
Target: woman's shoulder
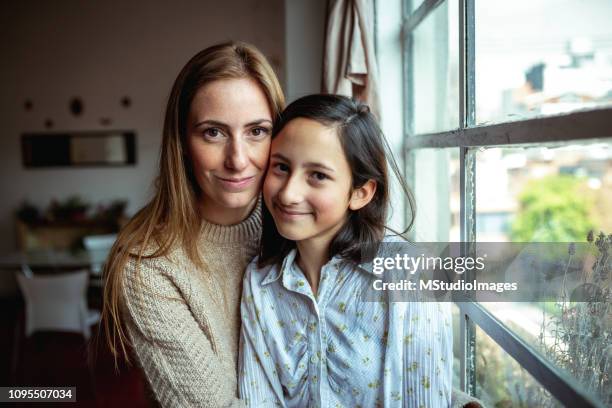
151,249
155,260
154,276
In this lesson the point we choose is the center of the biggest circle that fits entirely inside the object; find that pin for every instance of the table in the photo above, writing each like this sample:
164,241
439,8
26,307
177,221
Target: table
54,260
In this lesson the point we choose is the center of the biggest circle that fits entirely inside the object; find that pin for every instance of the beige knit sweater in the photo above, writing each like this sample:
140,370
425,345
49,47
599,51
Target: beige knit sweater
185,327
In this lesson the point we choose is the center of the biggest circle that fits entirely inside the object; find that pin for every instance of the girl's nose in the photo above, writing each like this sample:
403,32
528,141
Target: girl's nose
291,192
237,156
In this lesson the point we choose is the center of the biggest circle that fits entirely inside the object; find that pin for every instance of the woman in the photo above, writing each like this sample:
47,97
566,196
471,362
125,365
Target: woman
173,282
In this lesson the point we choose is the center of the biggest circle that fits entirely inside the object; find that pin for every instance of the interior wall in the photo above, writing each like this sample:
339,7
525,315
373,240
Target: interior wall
304,42
101,51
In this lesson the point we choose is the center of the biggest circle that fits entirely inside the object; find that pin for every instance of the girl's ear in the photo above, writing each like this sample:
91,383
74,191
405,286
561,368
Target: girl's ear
361,196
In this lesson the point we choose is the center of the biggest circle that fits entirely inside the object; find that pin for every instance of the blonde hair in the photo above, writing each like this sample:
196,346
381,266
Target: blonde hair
171,217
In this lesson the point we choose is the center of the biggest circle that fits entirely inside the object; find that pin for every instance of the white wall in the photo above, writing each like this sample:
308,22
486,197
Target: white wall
304,41
100,51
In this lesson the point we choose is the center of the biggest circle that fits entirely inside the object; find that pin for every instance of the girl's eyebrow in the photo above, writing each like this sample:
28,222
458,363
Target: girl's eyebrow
216,123
307,164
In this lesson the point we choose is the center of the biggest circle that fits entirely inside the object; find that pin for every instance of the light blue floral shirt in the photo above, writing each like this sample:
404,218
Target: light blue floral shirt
334,350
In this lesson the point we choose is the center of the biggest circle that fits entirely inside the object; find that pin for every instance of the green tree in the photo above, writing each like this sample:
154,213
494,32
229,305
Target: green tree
556,208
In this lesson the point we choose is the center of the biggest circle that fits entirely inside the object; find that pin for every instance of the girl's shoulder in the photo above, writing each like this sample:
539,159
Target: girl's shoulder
259,280
256,274
393,244
394,237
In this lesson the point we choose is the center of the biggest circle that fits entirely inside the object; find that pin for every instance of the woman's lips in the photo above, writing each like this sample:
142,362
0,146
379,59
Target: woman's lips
236,183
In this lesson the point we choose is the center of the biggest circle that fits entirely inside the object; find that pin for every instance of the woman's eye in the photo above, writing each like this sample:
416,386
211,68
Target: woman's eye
212,133
259,131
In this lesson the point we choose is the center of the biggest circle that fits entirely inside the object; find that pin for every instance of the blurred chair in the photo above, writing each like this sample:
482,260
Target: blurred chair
57,303
27,271
99,242
98,247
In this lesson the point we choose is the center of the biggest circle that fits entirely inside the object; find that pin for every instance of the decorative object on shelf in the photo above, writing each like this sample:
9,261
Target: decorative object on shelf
48,124
106,121
126,102
28,105
111,212
76,106
73,208
28,212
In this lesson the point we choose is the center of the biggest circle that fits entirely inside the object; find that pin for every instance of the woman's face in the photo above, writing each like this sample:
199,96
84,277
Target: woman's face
228,136
308,186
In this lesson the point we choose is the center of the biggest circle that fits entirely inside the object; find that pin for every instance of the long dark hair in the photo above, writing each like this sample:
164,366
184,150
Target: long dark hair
368,155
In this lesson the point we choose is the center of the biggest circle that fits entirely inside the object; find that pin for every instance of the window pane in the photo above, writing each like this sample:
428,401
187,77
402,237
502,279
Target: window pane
553,193
435,72
502,382
436,191
543,193
541,57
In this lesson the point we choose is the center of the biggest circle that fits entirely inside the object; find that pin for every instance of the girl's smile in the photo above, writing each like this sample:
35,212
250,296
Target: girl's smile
288,214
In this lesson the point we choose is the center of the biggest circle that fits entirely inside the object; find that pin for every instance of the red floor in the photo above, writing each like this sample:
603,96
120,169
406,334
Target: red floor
61,359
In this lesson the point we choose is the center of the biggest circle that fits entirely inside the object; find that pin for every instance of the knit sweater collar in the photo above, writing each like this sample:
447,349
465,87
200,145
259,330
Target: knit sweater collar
246,230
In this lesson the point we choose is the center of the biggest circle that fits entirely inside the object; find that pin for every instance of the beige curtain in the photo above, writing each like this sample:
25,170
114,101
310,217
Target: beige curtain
349,63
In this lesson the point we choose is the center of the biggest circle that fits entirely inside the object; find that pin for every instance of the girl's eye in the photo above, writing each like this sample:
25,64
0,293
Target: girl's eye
260,131
319,176
282,167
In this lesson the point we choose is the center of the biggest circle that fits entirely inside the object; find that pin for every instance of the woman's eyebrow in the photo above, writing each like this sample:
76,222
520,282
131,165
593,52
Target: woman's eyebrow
212,123
216,123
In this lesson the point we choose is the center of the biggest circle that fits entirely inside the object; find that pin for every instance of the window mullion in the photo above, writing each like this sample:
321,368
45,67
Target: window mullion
467,108
412,20
467,190
587,125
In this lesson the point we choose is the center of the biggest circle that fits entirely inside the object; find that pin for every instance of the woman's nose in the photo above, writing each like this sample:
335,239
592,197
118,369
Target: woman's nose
237,155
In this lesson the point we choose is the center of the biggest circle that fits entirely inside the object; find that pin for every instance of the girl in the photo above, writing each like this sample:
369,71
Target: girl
172,291
307,339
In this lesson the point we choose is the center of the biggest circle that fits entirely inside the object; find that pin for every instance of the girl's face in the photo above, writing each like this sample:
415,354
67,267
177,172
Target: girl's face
228,137
308,185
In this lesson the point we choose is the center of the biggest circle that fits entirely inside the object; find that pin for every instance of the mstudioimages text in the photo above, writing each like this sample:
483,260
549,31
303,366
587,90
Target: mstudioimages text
444,286
412,264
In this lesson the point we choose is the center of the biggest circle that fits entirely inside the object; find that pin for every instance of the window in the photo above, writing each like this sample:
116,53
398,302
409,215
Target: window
508,138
